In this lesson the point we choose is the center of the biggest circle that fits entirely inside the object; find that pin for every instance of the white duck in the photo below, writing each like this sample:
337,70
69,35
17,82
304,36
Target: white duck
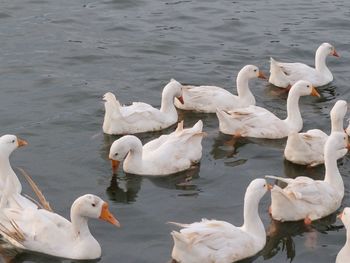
219,241
209,98
165,155
254,121
10,186
307,199
141,117
286,74
307,148
344,254
49,233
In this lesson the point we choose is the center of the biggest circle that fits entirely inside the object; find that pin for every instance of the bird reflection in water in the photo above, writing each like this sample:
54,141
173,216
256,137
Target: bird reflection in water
125,187
280,235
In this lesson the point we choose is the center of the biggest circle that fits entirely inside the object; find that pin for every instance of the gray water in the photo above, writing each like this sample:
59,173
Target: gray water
57,59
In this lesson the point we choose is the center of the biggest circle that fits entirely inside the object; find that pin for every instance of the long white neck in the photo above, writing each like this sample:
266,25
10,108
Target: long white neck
168,106
332,176
7,173
320,61
252,222
243,89
293,120
337,124
134,157
80,224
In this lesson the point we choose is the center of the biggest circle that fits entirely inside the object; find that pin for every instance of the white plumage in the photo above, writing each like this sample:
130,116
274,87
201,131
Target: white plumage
286,74
254,121
209,98
307,148
165,155
141,117
305,198
216,241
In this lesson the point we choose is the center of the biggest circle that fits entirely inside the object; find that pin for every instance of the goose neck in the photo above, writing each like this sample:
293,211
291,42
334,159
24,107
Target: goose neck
320,61
294,120
252,221
332,174
243,89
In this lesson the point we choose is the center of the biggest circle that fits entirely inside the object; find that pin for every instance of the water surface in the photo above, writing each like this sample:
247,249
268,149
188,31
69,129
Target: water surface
58,58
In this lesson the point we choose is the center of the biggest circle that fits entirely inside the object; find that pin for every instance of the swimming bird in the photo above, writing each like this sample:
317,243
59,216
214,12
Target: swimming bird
306,199
10,186
254,121
46,232
286,74
209,98
307,148
141,117
165,155
216,241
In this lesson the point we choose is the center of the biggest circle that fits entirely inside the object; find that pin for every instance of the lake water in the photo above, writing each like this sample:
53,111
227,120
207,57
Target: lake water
57,59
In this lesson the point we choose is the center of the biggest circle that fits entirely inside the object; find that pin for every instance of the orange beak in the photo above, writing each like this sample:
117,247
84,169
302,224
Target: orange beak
340,216
21,142
335,54
115,165
181,99
315,93
348,146
106,215
261,75
269,187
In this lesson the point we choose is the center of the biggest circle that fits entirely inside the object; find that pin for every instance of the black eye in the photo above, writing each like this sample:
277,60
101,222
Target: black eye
254,70
13,141
308,86
116,154
93,205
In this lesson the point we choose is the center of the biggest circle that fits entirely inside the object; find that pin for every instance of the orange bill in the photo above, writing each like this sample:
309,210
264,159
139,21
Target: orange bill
181,99
261,75
340,216
335,54
269,187
315,93
21,142
106,215
115,165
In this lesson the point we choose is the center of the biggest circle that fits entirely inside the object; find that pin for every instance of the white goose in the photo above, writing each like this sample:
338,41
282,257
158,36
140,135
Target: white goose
49,233
141,117
209,98
10,186
165,155
344,254
307,148
220,242
307,199
254,121
286,74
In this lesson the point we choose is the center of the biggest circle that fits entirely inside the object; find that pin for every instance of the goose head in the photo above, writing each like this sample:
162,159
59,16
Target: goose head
258,188
328,50
304,88
173,90
9,142
338,113
251,71
109,97
337,142
92,206
120,149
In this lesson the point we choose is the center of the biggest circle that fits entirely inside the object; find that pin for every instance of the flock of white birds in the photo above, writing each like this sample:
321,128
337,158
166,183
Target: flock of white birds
31,225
